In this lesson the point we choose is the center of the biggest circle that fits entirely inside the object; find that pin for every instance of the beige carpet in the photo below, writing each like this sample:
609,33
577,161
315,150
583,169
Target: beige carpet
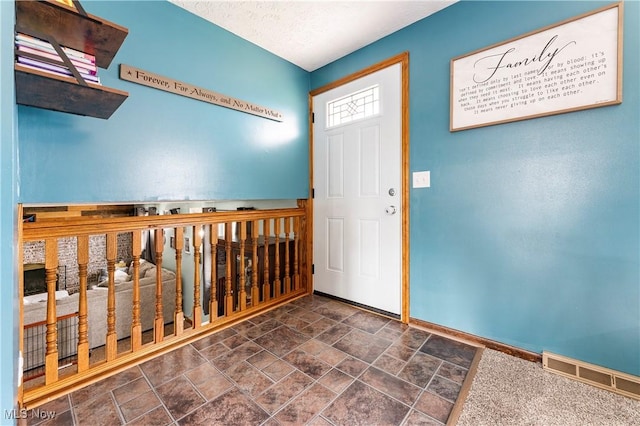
511,391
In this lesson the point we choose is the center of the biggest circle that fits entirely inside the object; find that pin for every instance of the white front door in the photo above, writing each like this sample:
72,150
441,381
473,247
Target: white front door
357,241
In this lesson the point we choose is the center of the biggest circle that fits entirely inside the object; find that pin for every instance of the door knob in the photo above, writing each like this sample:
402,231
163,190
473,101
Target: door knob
391,210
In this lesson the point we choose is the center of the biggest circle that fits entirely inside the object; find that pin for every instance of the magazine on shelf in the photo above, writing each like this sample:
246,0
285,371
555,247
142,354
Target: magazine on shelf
33,42
57,60
54,69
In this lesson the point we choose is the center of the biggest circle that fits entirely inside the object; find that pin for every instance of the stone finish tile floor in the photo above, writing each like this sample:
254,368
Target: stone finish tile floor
314,361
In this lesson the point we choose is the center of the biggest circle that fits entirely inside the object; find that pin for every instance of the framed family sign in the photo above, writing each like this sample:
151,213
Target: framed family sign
569,66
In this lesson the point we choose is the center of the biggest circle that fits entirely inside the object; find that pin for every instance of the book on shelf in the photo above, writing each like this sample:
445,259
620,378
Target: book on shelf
57,60
33,42
55,69
37,54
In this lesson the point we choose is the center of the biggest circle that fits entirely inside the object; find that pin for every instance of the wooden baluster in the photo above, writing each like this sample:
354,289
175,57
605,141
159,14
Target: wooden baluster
83,337
296,257
111,347
276,281
158,324
213,299
228,297
197,306
242,294
287,266
255,294
178,317
136,324
266,285
51,272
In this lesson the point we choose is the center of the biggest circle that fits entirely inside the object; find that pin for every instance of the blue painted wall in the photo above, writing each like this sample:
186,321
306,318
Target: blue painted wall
8,177
530,233
161,146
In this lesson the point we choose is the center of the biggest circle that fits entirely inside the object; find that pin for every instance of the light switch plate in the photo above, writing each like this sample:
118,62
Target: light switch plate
422,179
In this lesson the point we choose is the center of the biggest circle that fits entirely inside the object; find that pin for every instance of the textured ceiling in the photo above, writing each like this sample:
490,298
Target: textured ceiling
312,34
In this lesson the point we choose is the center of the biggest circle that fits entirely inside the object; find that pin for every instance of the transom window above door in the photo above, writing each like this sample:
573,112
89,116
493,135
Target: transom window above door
361,104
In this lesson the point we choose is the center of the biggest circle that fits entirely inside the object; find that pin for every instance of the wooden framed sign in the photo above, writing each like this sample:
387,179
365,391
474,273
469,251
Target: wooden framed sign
569,66
146,78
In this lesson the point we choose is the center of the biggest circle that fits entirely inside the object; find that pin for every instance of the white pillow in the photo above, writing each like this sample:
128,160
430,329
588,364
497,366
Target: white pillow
118,277
121,276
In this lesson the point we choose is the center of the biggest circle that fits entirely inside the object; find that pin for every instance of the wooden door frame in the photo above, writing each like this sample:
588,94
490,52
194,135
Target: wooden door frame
402,59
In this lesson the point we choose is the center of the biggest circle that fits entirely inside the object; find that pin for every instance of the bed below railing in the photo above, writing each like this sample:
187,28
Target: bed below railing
223,267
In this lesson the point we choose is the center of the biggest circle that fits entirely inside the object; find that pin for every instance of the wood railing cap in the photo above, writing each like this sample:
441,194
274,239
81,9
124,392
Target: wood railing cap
33,231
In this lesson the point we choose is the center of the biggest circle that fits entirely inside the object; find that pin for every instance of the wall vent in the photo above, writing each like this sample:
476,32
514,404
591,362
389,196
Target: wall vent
615,381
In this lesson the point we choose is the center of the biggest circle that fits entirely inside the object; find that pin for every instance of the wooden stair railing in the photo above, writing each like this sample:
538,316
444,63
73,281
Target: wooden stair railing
258,275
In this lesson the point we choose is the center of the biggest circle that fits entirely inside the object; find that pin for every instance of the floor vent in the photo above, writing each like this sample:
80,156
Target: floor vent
615,381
